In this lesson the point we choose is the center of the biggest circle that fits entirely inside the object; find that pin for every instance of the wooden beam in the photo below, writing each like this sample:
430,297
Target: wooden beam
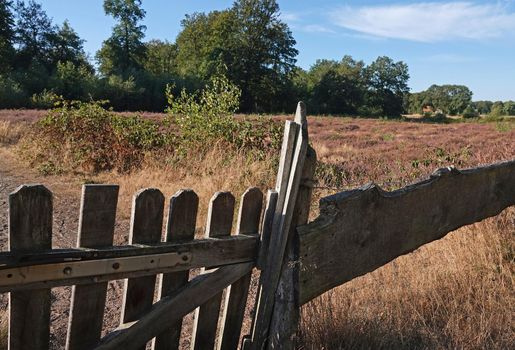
30,228
172,308
146,227
361,230
287,195
134,261
182,218
219,224
96,229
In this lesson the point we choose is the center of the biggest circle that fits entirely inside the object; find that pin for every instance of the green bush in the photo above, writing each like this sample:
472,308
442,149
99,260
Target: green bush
470,112
77,135
208,116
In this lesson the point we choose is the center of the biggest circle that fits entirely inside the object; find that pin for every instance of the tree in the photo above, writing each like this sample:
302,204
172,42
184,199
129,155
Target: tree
387,83
451,99
248,43
337,87
34,32
124,52
161,58
265,53
6,35
67,46
483,107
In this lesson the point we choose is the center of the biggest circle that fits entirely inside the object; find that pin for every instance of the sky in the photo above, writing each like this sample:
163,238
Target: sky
443,42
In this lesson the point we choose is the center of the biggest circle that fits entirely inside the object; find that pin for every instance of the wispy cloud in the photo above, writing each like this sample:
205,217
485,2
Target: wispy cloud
429,21
316,28
290,16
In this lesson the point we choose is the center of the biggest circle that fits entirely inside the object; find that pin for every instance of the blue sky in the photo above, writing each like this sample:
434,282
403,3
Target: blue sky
443,42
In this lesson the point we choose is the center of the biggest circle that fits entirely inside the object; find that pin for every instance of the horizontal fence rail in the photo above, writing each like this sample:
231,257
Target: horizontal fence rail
361,230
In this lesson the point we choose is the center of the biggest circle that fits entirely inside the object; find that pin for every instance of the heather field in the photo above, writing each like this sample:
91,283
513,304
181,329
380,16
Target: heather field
454,293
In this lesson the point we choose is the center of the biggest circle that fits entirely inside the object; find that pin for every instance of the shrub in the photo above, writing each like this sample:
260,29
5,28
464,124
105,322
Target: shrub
208,116
77,135
470,112
44,100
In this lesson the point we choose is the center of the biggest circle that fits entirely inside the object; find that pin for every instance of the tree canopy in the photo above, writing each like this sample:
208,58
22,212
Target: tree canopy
123,52
247,43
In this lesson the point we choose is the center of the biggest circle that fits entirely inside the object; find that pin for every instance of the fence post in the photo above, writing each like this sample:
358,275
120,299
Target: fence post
293,156
286,314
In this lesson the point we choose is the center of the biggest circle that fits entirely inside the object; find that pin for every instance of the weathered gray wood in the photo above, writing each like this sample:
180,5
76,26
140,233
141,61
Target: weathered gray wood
197,253
146,227
270,274
286,314
96,229
182,218
30,228
236,301
173,307
266,227
219,224
361,230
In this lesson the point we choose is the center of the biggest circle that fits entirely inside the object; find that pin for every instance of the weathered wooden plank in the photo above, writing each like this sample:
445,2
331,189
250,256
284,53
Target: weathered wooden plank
30,228
10,260
96,229
280,228
219,224
286,314
194,254
266,227
173,307
146,227
249,218
182,218
361,230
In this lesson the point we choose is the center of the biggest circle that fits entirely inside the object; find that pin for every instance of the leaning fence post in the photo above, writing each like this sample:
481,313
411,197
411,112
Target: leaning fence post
293,156
286,314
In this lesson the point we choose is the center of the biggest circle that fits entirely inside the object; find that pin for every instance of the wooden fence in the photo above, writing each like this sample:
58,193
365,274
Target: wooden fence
356,232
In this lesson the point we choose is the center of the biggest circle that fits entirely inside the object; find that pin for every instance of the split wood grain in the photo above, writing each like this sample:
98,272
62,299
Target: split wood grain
360,230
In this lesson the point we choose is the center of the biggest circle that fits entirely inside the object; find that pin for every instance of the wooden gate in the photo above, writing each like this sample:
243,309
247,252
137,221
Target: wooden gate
356,232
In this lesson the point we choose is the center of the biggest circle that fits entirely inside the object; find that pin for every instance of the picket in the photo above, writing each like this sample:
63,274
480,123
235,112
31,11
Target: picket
96,229
248,223
30,229
182,218
219,224
146,227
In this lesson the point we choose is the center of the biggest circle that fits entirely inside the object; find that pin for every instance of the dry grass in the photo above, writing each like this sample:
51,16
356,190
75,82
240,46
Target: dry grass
218,170
11,132
453,293
456,293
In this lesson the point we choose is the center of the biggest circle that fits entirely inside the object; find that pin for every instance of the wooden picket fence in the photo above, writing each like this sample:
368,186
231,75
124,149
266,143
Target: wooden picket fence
356,232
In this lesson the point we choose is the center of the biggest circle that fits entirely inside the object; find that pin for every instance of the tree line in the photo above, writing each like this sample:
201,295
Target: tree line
247,43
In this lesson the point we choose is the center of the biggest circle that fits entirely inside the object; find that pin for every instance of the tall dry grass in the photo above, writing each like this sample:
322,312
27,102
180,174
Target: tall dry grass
456,293
11,132
220,169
